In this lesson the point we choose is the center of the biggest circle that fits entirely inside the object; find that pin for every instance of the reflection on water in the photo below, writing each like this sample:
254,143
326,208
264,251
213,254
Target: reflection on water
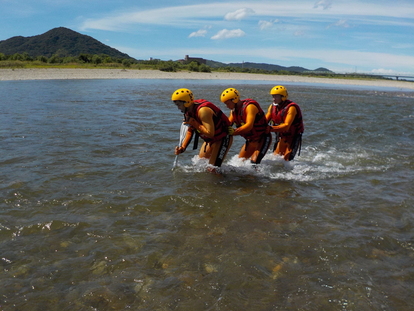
93,218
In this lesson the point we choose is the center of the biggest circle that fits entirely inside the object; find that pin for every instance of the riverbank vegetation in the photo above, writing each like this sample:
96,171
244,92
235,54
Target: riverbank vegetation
107,62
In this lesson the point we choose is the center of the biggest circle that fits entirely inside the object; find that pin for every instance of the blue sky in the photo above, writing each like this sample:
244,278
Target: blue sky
372,36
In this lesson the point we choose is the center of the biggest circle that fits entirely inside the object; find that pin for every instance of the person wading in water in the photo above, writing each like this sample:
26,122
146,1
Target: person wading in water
285,118
251,124
209,122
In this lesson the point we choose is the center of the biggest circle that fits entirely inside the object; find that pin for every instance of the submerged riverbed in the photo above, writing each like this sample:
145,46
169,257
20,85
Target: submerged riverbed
93,217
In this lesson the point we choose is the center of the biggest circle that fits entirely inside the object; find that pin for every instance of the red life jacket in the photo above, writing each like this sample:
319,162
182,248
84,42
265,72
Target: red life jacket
221,121
279,113
260,124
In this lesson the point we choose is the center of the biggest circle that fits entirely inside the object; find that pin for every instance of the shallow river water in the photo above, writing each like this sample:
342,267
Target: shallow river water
93,218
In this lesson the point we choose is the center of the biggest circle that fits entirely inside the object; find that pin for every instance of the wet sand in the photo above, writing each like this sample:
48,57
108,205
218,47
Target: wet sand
56,73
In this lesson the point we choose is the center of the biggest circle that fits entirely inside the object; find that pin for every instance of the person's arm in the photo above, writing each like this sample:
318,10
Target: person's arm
186,141
231,117
251,112
284,127
207,124
269,113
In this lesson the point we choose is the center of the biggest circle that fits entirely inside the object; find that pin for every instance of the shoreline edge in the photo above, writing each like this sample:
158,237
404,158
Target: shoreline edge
80,73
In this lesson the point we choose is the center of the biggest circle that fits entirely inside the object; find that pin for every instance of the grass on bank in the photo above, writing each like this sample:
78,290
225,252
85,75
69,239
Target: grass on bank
96,62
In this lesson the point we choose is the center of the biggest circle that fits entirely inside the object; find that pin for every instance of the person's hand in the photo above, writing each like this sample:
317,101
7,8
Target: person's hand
179,150
230,130
268,129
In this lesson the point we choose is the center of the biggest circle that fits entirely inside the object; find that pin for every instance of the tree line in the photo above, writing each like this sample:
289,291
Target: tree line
25,60
95,59
102,60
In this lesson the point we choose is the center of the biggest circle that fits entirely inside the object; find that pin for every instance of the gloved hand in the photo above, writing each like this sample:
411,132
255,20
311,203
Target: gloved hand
230,130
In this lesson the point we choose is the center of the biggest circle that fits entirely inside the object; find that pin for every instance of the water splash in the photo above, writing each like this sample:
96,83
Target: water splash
313,164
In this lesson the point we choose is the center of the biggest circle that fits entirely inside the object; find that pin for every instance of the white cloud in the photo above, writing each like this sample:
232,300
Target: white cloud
226,34
199,33
167,16
183,16
266,24
325,4
301,19
343,23
239,14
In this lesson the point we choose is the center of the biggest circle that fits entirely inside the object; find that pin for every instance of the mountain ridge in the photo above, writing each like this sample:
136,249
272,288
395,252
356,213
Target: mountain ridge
64,42
265,66
58,41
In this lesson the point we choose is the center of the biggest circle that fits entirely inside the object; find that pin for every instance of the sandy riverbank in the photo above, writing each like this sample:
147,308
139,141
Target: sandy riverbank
55,73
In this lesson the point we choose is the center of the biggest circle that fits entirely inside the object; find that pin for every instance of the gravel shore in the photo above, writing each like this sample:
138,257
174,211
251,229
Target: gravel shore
55,73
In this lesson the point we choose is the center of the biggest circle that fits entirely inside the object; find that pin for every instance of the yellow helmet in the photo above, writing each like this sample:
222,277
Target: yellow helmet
230,94
184,95
279,90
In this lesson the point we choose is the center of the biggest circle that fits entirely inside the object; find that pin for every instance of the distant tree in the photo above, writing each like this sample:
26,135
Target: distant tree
54,59
16,56
229,69
169,66
70,59
85,58
107,59
126,63
42,59
96,59
3,57
193,66
26,57
204,68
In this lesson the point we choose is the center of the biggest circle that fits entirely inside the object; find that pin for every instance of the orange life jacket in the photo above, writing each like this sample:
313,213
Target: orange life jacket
221,121
260,124
278,116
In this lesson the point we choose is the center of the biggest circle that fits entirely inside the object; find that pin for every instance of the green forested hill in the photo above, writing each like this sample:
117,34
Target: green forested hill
60,44
58,41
